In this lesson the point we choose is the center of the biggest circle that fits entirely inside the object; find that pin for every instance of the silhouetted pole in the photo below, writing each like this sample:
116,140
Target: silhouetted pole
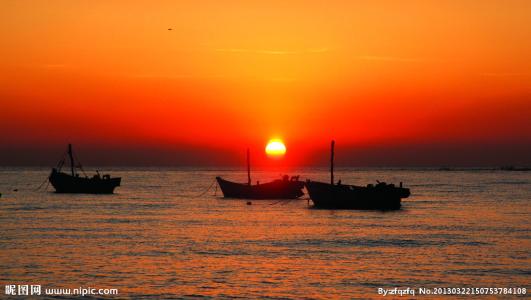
71,158
248,167
332,162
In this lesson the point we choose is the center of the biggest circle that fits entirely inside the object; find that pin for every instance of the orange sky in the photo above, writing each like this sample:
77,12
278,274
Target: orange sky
233,74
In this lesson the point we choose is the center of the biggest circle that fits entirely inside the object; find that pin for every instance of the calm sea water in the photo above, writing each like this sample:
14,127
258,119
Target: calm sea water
158,237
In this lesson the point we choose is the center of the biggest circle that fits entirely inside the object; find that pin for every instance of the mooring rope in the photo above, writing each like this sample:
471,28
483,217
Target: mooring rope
280,201
286,201
207,190
40,186
58,167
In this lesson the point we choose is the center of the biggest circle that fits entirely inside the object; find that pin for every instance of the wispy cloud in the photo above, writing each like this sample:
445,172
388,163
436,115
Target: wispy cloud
55,66
282,79
206,77
174,76
272,51
318,50
390,58
242,50
502,74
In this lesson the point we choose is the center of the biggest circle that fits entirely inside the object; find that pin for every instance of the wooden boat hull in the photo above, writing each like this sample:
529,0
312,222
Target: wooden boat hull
277,189
378,197
65,183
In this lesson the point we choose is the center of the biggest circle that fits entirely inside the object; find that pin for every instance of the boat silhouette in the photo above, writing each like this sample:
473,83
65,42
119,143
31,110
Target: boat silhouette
380,196
74,183
284,188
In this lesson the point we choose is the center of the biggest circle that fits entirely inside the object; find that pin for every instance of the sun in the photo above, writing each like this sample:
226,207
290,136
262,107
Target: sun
275,148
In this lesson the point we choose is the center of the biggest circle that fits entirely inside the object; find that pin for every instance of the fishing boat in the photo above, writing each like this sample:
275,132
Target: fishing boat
380,196
74,183
284,188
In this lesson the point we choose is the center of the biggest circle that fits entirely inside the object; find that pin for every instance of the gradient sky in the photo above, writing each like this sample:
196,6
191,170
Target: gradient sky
395,83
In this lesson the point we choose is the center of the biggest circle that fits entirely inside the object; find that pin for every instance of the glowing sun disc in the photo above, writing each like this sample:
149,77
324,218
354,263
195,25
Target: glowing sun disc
275,147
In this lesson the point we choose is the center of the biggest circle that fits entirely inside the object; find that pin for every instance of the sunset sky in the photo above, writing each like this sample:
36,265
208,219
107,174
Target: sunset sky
395,83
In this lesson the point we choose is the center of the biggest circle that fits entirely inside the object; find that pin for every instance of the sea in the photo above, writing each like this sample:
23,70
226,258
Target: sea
169,234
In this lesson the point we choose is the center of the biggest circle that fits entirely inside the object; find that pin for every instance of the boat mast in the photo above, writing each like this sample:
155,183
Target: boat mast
71,159
332,162
248,167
